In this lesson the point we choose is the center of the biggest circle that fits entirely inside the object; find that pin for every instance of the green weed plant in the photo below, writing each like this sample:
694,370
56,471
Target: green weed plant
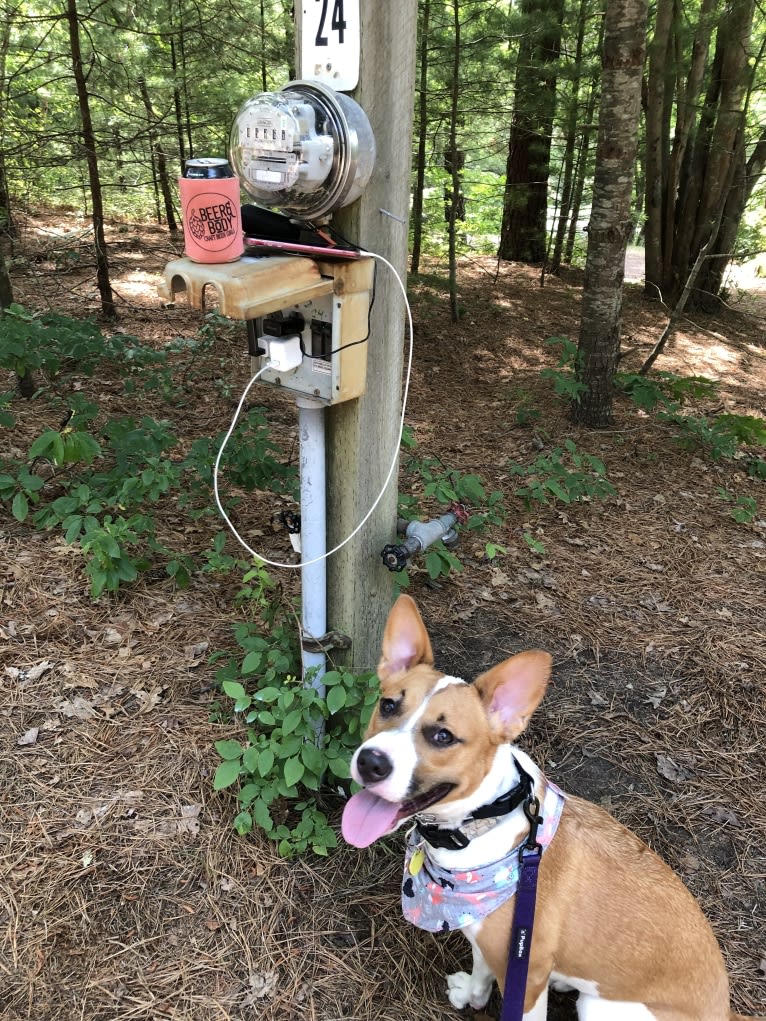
298,740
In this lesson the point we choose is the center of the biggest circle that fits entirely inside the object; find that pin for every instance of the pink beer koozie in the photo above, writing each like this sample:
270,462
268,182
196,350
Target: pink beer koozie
211,211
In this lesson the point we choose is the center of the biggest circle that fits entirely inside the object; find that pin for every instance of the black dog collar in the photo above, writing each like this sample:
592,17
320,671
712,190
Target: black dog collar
457,839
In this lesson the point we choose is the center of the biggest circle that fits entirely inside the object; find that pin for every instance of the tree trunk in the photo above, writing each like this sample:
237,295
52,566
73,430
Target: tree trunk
747,176
610,224
185,86
525,202
150,134
26,383
454,163
89,144
422,127
167,193
159,163
659,79
581,166
688,184
177,111
7,226
570,145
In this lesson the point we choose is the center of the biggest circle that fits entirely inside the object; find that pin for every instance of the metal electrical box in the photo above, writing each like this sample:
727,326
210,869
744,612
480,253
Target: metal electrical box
326,304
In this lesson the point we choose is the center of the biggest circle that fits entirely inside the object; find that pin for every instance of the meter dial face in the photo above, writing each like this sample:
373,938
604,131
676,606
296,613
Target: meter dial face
306,149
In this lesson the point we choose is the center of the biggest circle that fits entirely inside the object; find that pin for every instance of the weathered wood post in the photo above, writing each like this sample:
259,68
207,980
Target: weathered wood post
363,434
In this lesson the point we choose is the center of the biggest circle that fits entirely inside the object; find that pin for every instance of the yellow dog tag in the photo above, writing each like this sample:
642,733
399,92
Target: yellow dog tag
416,861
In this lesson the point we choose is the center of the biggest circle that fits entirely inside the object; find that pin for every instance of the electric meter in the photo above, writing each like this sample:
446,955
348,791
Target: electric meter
306,149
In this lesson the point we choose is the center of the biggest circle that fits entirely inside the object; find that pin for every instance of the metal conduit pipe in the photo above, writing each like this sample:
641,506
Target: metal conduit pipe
311,429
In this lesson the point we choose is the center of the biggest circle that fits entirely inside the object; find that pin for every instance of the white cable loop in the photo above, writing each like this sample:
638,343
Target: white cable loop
394,459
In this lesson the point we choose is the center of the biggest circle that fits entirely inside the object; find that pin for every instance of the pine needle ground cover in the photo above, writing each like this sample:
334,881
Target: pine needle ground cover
124,890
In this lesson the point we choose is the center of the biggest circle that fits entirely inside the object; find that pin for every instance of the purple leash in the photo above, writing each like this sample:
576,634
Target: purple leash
530,854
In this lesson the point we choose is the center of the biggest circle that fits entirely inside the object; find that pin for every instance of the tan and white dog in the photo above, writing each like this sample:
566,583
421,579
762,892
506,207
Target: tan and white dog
613,921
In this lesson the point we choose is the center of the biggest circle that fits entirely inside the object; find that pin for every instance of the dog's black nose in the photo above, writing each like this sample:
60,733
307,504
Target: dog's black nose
373,765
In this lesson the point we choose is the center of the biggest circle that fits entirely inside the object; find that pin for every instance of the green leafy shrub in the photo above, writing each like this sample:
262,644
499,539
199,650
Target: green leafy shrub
443,486
98,484
566,475
564,376
296,739
744,508
719,437
56,344
664,389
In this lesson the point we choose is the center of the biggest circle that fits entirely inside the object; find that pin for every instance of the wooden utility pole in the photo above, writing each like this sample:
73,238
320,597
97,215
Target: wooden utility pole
363,434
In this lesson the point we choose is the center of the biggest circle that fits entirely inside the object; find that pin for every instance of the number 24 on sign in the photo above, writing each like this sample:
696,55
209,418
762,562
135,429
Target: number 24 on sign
331,42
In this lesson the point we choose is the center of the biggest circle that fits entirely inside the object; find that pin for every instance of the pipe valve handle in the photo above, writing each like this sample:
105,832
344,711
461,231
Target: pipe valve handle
394,557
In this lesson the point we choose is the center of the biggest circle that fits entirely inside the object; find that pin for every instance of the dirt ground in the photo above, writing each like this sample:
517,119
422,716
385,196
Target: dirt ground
125,893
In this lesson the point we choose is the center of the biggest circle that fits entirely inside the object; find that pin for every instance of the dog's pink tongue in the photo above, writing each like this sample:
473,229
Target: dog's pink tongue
367,817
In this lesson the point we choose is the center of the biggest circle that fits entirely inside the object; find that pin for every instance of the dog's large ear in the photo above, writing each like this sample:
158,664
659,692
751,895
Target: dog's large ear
405,639
512,690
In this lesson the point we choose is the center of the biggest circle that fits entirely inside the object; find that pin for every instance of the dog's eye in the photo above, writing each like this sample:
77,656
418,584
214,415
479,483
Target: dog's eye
388,707
440,737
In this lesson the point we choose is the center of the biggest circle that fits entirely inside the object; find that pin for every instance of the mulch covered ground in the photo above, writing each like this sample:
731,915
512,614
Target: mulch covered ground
124,892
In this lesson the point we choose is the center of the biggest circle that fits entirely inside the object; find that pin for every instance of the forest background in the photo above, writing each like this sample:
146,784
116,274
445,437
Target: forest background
100,105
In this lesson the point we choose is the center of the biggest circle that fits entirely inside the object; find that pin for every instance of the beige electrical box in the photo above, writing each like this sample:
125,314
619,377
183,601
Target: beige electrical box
327,304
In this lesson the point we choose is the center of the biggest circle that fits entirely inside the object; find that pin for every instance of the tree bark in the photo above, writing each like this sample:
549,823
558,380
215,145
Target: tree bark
108,307
581,166
688,183
7,226
525,202
454,163
422,128
610,225
659,80
570,142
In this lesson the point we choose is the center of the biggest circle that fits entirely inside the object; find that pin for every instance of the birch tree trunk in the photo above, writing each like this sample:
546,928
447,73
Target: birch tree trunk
610,223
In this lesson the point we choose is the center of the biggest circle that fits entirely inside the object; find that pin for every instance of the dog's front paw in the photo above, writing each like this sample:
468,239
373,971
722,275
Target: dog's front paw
463,990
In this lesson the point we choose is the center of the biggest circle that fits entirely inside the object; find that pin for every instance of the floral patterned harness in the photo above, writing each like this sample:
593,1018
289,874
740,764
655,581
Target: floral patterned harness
439,899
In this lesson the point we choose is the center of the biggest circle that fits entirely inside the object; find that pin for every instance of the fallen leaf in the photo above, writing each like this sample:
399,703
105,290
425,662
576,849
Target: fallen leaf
187,824
721,814
194,653
159,619
29,738
596,699
671,770
262,984
148,699
26,674
77,708
655,697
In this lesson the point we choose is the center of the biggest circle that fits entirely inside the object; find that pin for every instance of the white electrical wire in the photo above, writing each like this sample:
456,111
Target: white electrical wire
394,459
